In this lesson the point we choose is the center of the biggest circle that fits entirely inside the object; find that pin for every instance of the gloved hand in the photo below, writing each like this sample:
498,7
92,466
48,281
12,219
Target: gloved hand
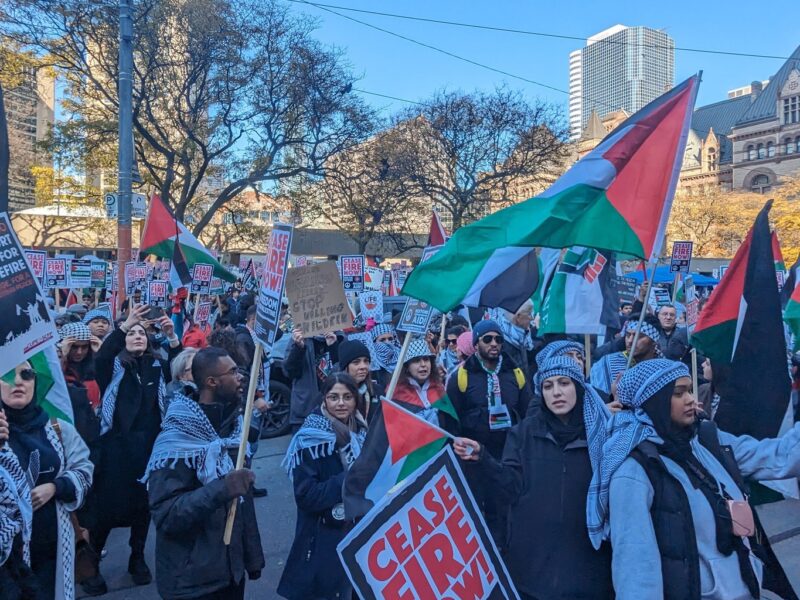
253,575
238,482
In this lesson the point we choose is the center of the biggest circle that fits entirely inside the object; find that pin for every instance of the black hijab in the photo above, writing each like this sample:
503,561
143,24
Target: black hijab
573,429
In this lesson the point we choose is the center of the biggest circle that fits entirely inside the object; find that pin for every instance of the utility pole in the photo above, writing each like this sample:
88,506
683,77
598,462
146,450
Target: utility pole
4,155
125,143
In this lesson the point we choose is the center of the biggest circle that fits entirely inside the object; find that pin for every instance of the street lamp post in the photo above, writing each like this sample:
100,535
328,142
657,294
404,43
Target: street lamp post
125,143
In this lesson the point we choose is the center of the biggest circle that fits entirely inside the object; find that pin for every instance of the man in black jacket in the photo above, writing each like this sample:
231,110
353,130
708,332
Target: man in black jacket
192,482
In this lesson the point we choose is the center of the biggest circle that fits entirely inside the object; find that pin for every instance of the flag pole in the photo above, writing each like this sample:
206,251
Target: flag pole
399,367
642,313
587,350
694,376
442,332
675,283
248,414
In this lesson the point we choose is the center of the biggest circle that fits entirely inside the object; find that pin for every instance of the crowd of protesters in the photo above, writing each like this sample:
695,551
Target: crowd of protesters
613,485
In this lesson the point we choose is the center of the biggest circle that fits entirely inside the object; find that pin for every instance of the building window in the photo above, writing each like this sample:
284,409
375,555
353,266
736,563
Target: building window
791,109
789,146
770,149
761,151
751,152
712,159
760,184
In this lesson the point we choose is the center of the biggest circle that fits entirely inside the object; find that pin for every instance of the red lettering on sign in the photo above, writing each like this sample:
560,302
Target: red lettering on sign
419,526
437,554
416,575
446,494
430,503
398,589
399,542
462,534
381,572
471,584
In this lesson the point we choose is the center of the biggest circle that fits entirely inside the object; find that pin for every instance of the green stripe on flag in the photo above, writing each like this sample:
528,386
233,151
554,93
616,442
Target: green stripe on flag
419,457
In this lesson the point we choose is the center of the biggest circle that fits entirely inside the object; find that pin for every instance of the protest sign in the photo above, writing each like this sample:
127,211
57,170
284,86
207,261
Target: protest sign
416,317
626,288
681,257
36,260
157,293
316,299
373,278
130,277
658,297
140,274
203,312
26,327
80,273
201,278
217,286
352,268
399,277
55,270
426,539
301,261
371,304
98,274
111,277
386,286
270,294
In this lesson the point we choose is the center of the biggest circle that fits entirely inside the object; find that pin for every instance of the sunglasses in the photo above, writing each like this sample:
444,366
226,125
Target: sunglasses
452,341
27,374
488,339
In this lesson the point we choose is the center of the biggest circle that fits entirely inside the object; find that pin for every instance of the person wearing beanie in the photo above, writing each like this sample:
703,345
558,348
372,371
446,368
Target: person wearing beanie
465,346
419,387
355,360
490,394
516,330
669,492
610,367
99,322
543,479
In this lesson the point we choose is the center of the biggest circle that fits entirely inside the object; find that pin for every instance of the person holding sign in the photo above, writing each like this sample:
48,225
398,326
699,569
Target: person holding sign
133,383
317,460
544,478
490,394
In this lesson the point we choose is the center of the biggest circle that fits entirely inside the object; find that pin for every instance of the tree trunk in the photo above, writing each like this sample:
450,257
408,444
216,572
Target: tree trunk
5,155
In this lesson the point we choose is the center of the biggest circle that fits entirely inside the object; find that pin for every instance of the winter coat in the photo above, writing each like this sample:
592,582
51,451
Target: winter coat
633,536
301,366
409,393
313,569
545,487
191,557
63,460
121,454
472,405
675,345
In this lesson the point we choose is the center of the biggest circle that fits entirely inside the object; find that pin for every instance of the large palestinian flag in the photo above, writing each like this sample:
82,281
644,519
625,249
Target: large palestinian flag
741,331
616,198
161,232
398,443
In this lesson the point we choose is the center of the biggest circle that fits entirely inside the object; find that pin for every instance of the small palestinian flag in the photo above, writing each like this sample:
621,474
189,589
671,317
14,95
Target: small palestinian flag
51,387
398,443
616,198
162,232
791,314
740,330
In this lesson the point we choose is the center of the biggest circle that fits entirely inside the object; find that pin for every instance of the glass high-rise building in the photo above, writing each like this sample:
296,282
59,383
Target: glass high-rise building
619,68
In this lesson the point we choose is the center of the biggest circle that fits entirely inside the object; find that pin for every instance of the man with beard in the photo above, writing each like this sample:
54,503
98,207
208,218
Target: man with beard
192,482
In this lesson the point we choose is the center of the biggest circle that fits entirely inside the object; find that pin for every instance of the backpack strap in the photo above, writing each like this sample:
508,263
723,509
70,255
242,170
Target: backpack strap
520,377
707,434
57,428
462,379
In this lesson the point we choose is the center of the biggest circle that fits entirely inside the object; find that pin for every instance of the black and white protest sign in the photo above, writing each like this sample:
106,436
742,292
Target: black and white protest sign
273,280
80,273
416,317
55,272
371,304
157,293
26,327
426,539
681,257
352,269
201,278
36,260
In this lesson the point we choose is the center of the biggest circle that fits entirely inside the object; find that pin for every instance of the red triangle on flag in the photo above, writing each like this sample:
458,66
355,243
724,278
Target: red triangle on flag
406,431
159,226
437,235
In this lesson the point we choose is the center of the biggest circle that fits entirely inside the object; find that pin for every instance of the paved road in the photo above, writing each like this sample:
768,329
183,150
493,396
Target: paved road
276,515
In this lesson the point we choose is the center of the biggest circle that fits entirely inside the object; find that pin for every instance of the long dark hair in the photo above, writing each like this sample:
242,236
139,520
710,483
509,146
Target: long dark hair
347,382
127,359
434,377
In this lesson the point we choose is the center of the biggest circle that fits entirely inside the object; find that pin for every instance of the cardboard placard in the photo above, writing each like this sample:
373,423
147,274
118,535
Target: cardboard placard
201,278
681,257
36,260
270,294
99,272
426,539
157,293
352,268
416,317
316,299
26,327
203,312
55,270
80,273
371,304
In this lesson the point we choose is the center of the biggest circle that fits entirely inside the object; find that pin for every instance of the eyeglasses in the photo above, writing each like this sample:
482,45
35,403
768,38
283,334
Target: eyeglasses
27,374
488,339
452,341
335,398
233,371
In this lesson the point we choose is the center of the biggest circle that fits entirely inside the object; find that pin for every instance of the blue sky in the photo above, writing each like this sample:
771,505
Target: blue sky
395,67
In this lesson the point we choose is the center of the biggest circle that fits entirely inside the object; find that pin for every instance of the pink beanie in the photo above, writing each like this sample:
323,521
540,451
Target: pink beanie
465,345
